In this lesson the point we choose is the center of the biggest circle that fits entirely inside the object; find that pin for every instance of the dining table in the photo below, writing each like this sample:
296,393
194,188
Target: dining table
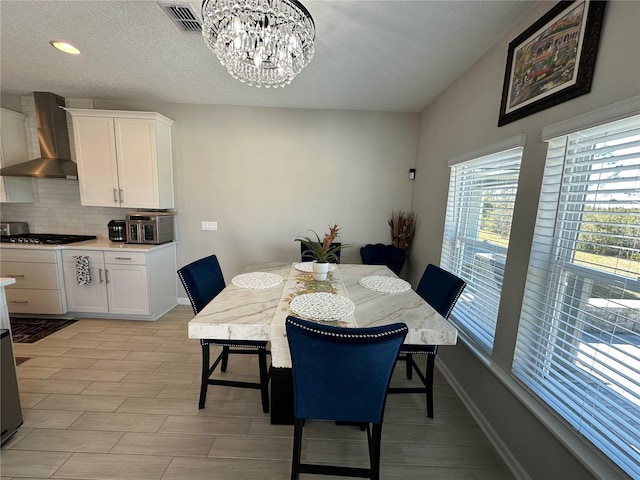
255,305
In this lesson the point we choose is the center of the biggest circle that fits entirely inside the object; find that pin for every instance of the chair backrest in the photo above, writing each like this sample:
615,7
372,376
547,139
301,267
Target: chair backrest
440,289
341,373
202,281
379,254
307,256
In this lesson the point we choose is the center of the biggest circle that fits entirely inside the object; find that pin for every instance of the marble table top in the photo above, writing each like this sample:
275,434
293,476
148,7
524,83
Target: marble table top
248,314
4,314
5,281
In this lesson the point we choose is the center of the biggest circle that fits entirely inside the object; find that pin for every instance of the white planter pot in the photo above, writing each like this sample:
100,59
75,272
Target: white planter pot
320,270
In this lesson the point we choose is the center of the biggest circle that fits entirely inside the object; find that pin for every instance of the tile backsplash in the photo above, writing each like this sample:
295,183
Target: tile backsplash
56,209
56,206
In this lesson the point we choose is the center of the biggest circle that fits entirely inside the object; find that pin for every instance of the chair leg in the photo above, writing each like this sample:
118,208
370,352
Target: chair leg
374,451
264,379
204,382
408,362
297,448
225,359
429,384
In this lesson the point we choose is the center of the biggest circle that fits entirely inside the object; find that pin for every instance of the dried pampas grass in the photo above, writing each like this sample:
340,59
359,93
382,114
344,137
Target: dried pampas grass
403,228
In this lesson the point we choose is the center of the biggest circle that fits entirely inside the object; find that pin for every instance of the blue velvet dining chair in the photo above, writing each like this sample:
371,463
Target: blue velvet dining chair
203,281
440,289
341,374
380,254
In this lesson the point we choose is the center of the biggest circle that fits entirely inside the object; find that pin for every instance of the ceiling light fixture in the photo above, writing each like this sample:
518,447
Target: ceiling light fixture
65,47
265,43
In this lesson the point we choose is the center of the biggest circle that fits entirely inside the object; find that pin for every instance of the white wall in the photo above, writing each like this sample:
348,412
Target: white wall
266,176
462,119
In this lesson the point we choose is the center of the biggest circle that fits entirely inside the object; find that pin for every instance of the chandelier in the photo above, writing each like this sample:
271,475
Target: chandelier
260,42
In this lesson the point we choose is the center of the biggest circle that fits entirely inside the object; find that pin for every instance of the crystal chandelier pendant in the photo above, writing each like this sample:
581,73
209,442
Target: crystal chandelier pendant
265,43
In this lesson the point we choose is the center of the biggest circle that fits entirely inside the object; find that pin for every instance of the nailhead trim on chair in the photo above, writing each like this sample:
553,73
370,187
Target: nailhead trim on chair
422,349
347,335
464,284
186,289
213,341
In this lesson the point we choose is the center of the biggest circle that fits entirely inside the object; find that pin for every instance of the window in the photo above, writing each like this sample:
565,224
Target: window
578,345
482,191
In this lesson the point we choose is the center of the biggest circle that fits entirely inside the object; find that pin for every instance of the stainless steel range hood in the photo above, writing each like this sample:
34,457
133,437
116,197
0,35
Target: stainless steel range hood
53,136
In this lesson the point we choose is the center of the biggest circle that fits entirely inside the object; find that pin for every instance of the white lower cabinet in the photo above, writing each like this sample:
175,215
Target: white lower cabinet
89,298
123,284
39,283
128,289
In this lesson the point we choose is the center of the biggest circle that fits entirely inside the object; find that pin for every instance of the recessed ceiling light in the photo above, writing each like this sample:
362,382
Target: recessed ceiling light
65,47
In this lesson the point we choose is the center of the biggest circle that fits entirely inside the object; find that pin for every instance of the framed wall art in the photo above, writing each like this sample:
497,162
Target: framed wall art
553,60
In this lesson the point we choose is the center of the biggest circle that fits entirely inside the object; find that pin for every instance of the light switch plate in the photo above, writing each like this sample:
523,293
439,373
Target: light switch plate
209,225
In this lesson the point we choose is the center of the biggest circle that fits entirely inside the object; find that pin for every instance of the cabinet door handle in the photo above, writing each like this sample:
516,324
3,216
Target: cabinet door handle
115,195
100,275
15,276
19,301
123,258
121,196
106,275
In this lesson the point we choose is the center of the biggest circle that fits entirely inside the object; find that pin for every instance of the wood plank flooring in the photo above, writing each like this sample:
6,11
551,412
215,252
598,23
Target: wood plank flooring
111,399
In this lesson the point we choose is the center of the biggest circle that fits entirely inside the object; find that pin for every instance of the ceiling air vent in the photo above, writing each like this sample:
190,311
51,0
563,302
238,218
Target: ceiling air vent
183,15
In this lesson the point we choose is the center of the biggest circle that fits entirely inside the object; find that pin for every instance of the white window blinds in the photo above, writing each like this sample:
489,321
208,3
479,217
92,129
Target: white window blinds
476,236
578,345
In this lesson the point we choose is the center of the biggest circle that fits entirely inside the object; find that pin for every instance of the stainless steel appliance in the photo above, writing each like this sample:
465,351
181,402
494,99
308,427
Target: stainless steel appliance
45,238
117,230
13,228
10,411
150,227
53,136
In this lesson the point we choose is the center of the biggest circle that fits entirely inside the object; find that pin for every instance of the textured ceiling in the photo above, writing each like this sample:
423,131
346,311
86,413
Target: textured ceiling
370,55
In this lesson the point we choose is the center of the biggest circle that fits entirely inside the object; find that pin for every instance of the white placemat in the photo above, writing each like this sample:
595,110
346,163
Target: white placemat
328,307
307,267
384,284
257,280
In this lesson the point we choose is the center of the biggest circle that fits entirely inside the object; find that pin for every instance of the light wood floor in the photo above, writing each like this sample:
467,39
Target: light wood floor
110,399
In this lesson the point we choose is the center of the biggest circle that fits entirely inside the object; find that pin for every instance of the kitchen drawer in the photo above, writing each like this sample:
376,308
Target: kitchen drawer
125,258
30,275
32,255
95,256
34,301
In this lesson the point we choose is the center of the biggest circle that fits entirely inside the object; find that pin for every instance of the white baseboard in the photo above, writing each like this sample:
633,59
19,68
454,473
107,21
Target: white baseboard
502,449
591,458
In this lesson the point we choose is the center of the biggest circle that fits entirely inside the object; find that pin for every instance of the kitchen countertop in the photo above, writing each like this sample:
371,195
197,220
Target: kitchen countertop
4,281
97,244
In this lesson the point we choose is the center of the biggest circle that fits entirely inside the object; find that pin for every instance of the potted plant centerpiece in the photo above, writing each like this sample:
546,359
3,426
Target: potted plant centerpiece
323,250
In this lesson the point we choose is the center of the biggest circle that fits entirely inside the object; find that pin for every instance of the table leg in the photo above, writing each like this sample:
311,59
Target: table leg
281,396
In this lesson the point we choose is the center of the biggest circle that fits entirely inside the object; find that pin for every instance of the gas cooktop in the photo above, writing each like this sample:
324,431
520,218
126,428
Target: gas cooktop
46,238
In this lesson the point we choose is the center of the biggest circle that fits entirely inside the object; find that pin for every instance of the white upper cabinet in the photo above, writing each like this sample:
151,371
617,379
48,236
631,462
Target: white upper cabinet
13,149
124,158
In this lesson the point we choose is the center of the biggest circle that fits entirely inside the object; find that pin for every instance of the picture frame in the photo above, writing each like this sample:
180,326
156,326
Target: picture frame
553,60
